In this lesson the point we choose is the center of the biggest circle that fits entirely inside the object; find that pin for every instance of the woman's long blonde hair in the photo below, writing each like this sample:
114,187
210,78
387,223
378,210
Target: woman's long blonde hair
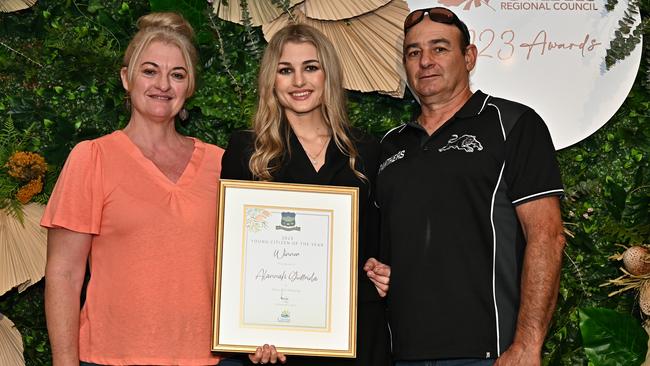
270,126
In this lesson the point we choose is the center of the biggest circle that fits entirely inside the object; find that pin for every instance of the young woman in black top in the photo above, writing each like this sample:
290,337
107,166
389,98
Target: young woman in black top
301,134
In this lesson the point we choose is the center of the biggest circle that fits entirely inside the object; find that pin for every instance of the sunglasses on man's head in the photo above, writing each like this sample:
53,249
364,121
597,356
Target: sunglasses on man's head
438,15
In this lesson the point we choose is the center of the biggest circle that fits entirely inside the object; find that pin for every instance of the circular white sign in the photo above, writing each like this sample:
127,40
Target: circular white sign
549,55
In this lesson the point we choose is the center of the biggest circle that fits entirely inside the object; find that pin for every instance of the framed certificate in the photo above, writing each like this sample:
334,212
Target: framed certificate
286,270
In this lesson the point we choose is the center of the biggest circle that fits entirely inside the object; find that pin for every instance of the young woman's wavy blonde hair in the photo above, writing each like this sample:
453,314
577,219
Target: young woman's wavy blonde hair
166,27
270,126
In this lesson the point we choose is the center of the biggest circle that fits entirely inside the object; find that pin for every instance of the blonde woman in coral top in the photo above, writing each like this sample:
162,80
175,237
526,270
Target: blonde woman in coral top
139,207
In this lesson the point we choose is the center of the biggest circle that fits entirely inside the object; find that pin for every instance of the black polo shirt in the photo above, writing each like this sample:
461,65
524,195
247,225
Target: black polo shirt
450,230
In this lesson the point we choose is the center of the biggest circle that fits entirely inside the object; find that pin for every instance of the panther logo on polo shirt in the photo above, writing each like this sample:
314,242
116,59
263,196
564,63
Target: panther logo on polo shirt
467,143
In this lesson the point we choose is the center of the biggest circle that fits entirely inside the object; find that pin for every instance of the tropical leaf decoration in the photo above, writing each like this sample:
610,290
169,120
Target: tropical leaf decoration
611,338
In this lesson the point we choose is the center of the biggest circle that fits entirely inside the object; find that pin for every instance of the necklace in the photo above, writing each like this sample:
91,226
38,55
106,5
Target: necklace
314,158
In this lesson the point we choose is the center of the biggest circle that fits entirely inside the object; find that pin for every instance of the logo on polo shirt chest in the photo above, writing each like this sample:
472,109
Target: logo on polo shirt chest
391,160
467,143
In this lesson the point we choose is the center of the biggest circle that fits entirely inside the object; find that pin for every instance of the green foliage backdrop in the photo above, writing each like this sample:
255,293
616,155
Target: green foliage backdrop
59,64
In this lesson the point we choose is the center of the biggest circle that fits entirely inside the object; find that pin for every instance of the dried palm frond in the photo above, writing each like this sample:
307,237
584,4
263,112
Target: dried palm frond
8,6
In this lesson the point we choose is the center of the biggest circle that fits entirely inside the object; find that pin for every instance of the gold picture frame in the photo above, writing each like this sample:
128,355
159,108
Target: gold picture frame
286,268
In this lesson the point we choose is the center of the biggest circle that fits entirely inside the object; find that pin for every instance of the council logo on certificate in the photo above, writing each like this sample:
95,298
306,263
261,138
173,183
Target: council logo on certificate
287,279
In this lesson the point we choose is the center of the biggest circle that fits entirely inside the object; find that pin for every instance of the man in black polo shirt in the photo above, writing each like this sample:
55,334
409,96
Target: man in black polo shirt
469,197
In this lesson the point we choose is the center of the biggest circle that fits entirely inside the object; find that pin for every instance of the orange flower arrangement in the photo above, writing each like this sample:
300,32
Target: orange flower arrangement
27,167
29,190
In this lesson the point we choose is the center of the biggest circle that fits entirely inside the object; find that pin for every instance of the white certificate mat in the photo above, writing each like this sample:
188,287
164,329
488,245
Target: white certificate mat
286,271
286,276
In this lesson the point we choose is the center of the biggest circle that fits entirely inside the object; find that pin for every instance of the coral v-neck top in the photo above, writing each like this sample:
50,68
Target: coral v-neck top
151,261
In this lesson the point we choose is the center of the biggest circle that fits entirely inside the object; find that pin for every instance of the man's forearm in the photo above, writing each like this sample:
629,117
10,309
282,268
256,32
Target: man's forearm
540,283
540,280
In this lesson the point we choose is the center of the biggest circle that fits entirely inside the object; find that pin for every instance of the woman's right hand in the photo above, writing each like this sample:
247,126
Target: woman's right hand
267,354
